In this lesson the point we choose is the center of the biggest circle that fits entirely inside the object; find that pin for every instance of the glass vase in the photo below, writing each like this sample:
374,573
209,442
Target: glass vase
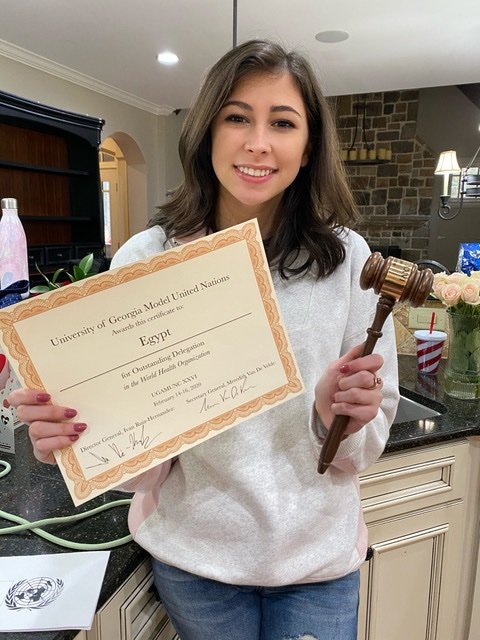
462,373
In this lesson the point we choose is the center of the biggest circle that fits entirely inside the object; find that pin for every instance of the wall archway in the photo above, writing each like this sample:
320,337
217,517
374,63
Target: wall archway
133,173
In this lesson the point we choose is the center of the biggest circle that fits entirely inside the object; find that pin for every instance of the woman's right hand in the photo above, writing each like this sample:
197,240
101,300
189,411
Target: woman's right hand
49,426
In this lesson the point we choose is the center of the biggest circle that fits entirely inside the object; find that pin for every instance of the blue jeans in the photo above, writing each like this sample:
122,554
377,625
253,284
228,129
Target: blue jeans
202,609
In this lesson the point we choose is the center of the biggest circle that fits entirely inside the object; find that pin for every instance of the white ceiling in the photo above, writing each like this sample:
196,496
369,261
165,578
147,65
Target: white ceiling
393,44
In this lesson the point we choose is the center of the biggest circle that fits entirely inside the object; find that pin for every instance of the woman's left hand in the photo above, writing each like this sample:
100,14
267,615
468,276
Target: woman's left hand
350,386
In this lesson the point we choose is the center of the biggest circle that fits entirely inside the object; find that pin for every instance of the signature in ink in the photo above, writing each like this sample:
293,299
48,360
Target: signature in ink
116,450
206,405
101,460
230,393
143,441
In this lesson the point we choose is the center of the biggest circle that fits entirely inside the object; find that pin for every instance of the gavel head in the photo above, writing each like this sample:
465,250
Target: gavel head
396,279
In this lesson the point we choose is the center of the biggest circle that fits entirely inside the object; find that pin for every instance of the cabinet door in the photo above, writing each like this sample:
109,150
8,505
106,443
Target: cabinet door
133,612
143,617
410,584
409,481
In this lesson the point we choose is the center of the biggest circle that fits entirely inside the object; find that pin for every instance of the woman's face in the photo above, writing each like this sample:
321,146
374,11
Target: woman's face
259,143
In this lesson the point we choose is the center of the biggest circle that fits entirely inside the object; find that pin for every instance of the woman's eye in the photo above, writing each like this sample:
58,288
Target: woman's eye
283,124
236,117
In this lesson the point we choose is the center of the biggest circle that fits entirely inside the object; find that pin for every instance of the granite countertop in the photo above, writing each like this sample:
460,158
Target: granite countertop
35,490
458,419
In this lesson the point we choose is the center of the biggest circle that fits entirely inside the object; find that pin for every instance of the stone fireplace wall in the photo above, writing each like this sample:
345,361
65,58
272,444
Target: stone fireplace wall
394,198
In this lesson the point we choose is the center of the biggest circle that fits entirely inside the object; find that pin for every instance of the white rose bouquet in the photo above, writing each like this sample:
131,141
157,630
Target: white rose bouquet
458,291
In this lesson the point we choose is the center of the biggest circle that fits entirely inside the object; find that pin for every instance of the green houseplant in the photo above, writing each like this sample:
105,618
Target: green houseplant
80,272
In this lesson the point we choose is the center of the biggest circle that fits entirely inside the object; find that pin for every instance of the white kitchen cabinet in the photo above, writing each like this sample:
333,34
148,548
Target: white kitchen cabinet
416,506
133,612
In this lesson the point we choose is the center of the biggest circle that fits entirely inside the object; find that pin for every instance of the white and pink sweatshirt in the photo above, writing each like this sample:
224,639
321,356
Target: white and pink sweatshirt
248,506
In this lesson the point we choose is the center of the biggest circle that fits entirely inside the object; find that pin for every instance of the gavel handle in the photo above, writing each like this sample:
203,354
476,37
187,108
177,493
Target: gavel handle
339,424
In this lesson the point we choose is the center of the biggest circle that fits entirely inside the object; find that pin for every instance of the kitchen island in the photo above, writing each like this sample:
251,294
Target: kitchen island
34,490
421,507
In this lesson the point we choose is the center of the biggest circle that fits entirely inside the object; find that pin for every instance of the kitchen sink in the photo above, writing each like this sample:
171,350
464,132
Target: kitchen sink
411,410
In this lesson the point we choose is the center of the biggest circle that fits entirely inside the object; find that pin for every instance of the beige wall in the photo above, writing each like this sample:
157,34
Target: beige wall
174,170
147,130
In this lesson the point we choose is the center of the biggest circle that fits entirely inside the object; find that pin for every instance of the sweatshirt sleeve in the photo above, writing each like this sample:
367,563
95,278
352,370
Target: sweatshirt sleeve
360,450
141,246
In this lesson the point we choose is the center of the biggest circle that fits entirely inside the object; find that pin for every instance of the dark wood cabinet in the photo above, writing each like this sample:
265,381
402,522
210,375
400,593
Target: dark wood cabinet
49,163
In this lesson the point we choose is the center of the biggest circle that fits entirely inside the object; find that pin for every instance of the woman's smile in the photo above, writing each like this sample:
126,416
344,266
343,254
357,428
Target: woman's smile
254,174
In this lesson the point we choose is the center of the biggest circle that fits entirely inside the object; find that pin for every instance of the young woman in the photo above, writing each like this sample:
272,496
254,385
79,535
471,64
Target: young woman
248,541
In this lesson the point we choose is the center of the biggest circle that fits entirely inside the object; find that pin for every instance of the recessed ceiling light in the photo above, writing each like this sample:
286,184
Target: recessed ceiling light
332,36
167,57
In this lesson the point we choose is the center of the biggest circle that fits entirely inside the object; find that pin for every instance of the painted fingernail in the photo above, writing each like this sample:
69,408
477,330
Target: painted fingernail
70,413
43,397
74,437
79,427
345,368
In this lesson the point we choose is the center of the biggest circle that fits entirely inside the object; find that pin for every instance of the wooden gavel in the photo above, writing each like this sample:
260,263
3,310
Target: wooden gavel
396,281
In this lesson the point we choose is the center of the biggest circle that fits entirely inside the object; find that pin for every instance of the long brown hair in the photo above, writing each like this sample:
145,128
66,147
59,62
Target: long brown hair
314,207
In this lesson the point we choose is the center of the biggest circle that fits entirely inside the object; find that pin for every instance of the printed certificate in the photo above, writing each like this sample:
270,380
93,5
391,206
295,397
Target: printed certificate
156,356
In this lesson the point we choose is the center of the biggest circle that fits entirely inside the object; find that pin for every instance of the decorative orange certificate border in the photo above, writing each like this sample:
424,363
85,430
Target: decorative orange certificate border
248,233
